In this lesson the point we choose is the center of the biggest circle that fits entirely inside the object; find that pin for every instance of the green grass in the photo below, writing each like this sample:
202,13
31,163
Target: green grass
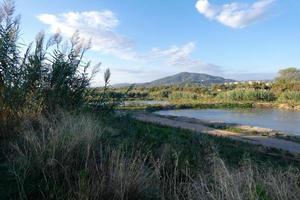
199,105
192,96
231,151
247,95
84,157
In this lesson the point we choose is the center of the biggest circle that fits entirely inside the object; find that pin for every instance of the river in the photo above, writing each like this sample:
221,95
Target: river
280,120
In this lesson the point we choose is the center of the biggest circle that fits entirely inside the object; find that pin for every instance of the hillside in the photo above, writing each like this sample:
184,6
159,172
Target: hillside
182,79
189,78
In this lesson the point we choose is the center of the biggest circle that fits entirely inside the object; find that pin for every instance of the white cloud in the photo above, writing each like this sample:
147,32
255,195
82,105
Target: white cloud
180,56
235,15
244,76
99,26
174,55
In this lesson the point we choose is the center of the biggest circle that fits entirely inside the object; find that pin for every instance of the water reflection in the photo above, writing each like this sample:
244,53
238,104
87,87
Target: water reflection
281,120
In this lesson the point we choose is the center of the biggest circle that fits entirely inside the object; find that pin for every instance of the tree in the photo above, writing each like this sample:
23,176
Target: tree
289,74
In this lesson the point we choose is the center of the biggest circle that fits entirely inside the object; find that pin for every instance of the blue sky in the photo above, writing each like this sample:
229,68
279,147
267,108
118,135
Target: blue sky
143,40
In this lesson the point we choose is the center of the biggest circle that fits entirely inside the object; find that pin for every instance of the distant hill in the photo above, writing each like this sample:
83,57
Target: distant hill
121,85
189,78
182,79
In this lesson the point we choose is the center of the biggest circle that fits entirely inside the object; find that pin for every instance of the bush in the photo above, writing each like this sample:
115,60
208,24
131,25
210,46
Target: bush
135,94
247,95
183,95
284,86
56,75
11,93
289,97
51,75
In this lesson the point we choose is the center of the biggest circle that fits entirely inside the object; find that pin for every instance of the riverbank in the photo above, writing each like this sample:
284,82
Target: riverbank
270,140
152,107
283,106
122,158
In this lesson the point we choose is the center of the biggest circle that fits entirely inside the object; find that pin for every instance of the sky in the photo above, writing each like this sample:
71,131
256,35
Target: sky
143,40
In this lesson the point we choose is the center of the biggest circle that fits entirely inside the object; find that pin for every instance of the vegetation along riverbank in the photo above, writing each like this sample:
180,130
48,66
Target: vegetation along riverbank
283,93
60,138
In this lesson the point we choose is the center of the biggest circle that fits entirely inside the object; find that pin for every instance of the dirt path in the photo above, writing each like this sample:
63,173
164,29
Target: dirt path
196,126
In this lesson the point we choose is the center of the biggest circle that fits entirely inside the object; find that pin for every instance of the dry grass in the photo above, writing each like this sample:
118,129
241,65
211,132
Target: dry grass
246,182
70,157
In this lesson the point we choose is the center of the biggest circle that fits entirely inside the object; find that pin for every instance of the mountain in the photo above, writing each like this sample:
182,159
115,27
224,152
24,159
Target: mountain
121,85
182,79
189,78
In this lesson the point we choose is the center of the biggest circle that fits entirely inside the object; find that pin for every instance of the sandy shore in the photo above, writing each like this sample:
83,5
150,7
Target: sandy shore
200,126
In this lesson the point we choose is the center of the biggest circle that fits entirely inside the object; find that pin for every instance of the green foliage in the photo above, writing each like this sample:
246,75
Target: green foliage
52,77
56,74
289,74
290,97
136,94
247,95
287,85
12,95
52,74
105,100
183,95
199,105
196,94
281,86
10,69
192,96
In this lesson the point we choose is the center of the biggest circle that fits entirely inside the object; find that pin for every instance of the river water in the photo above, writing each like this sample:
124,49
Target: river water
281,120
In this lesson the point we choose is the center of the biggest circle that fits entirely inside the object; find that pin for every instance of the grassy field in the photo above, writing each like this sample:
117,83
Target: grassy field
60,138
85,157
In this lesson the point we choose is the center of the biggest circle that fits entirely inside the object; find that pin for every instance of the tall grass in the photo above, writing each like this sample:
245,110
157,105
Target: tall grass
52,74
247,95
70,159
59,155
184,95
76,158
289,97
245,182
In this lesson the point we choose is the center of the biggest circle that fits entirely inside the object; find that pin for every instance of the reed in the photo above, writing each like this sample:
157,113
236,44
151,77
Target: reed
74,157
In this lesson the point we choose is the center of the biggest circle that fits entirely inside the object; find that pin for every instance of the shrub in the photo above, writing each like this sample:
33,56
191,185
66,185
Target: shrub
136,94
104,100
183,95
289,74
51,75
284,85
11,93
56,74
246,95
289,97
